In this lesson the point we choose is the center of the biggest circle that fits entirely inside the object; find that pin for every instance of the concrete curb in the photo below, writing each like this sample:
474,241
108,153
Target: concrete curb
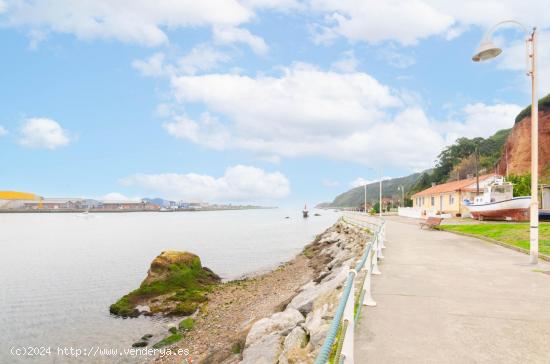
516,248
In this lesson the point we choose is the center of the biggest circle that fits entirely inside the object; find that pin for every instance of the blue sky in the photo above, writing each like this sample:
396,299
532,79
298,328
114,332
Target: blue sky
264,101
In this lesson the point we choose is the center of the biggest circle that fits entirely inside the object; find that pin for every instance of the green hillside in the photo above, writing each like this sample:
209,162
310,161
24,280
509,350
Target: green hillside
544,105
356,196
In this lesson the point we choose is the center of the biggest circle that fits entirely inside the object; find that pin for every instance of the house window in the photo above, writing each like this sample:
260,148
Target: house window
451,199
433,200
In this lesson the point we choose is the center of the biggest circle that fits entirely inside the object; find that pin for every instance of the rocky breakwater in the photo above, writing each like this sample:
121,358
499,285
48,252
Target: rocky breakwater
176,284
296,334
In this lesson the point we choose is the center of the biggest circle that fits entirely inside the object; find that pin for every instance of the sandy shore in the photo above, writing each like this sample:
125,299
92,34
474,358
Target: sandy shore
222,324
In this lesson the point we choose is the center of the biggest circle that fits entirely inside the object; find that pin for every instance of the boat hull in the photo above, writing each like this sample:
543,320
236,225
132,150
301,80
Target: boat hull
516,209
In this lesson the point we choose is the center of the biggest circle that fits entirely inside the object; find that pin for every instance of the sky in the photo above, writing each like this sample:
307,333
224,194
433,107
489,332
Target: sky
274,102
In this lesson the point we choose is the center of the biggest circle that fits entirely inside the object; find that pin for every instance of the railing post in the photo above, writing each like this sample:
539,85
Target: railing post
367,299
375,269
383,235
349,317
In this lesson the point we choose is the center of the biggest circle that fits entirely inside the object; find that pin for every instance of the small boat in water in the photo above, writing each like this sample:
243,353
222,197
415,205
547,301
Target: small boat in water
498,203
305,212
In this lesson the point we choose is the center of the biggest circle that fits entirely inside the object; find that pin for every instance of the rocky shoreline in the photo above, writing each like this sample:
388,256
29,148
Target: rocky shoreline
277,317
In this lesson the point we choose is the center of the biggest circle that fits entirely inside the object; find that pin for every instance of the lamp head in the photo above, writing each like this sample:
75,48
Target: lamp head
486,50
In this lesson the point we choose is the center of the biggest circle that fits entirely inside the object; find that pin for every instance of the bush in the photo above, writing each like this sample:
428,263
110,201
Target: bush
522,184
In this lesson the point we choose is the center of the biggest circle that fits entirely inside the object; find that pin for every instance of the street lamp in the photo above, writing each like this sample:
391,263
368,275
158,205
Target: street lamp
487,50
402,189
365,205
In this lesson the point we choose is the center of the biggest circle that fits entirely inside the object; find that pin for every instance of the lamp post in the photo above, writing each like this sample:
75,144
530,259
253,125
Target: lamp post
402,194
380,203
487,50
365,205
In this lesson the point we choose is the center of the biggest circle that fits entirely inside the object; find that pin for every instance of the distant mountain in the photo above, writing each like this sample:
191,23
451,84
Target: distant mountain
356,196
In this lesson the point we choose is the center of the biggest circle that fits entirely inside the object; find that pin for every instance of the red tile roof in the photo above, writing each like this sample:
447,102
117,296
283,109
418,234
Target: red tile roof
459,185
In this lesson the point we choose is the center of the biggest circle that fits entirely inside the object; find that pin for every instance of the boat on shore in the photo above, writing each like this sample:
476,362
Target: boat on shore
498,203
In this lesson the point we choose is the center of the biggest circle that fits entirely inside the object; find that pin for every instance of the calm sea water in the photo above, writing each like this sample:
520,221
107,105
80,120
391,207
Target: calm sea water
60,272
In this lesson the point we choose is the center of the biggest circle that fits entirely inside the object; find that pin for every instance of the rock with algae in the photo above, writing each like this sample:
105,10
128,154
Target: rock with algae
176,283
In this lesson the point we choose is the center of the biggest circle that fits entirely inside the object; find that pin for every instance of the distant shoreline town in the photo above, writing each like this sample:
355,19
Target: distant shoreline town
11,201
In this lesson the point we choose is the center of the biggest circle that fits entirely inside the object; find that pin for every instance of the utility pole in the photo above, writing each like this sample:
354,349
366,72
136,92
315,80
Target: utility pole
477,170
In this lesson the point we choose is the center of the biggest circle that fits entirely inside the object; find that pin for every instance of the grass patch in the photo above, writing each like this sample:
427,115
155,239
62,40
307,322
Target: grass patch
187,324
515,234
185,308
169,340
190,295
237,347
123,307
309,252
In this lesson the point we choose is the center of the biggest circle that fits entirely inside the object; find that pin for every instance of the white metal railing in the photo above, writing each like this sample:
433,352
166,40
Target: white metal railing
339,342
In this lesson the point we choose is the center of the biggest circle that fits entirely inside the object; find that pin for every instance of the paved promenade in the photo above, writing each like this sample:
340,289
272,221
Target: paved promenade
445,298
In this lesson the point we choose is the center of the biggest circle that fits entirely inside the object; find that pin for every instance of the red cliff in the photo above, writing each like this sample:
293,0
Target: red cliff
517,150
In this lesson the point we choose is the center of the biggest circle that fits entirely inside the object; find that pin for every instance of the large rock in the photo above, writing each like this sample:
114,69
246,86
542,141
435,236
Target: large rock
303,301
280,323
263,351
317,325
162,267
176,284
292,345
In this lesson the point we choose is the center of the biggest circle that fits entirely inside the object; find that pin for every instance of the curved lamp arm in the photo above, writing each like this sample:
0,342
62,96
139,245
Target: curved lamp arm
494,27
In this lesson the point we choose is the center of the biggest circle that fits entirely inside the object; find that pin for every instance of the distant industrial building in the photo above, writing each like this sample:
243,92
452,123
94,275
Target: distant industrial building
12,200
16,200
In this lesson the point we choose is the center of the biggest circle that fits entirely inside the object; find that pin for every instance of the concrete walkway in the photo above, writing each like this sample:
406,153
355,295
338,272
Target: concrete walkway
445,298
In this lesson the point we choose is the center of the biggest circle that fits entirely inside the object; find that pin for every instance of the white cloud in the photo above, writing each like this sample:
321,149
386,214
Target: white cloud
152,66
136,21
329,183
348,63
409,21
309,112
303,112
3,131
396,59
43,133
405,21
232,34
239,183
480,120
303,99
514,58
360,181
115,196
283,5
202,58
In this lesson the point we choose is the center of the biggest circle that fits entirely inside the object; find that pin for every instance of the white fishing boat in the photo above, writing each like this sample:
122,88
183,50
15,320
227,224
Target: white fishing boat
498,203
